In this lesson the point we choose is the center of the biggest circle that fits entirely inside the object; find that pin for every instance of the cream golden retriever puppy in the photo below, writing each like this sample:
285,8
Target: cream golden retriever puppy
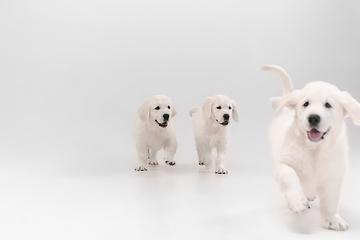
309,145
154,130
211,129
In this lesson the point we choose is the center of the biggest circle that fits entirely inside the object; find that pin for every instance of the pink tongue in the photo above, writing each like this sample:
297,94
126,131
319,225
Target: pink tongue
315,135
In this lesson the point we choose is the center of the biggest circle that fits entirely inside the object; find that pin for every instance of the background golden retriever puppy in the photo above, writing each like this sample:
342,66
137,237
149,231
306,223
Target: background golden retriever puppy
211,129
154,130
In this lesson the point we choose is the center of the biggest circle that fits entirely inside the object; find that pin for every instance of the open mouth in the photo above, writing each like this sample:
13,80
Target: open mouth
224,123
314,135
164,124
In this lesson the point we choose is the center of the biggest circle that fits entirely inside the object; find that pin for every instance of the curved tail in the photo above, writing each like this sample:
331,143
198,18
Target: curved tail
287,86
192,111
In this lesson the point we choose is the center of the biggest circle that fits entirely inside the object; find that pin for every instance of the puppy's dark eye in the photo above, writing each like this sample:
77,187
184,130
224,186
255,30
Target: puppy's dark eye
157,108
328,105
168,107
219,107
229,107
306,104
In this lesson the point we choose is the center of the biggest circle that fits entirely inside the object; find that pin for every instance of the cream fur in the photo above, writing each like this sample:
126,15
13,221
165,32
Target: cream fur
150,137
306,169
208,131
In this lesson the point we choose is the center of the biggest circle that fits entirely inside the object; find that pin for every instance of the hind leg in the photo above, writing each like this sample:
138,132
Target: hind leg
204,154
309,191
220,159
143,155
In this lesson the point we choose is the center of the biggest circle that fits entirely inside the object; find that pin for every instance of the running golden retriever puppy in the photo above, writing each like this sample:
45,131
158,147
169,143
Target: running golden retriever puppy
309,145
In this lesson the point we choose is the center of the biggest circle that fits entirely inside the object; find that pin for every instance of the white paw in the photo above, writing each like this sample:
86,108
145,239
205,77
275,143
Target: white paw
204,162
311,198
336,223
221,170
299,205
170,162
310,195
153,162
141,168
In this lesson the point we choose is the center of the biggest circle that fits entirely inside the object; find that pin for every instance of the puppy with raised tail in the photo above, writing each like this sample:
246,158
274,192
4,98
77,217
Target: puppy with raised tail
309,145
211,129
154,130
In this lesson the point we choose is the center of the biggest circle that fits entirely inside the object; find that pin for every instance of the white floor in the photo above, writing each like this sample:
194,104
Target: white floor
181,202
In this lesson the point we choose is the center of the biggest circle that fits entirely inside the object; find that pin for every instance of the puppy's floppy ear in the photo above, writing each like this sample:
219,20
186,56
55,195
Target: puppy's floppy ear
290,100
207,105
351,107
144,111
235,114
174,110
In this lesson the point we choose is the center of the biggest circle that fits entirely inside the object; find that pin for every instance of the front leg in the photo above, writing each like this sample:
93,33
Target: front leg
152,158
290,186
220,159
143,155
329,199
169,152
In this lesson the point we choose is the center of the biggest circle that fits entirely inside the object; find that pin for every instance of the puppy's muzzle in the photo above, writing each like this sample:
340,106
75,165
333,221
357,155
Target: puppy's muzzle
163,124
225,122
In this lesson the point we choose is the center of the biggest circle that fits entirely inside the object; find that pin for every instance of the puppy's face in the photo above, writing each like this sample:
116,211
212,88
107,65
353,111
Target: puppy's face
157,110
220,109
320,109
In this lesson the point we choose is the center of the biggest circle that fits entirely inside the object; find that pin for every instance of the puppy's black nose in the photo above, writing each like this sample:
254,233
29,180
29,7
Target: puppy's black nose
314,120
226,116
166,117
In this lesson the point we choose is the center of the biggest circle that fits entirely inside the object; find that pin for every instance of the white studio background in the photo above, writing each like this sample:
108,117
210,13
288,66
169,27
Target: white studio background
73,73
